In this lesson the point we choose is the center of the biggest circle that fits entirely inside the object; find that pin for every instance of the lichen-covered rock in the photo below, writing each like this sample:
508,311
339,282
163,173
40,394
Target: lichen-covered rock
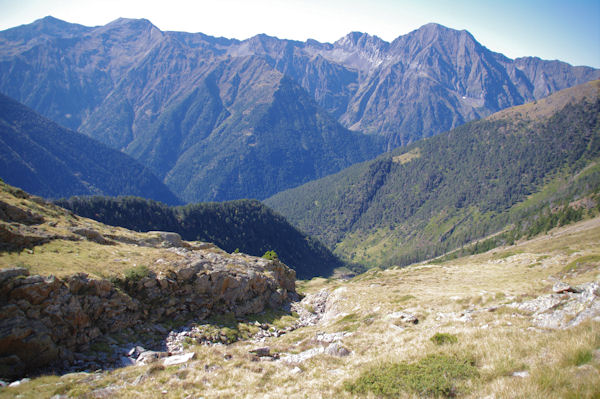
165,239
11,213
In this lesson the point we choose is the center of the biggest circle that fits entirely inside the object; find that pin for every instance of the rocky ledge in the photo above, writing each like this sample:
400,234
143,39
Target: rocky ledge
47,321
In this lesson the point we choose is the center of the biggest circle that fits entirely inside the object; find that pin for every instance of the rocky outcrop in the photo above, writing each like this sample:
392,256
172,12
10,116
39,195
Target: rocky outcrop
566,307
45,320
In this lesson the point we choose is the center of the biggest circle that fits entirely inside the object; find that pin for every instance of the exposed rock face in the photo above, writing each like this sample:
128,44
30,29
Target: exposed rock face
567,307
45,320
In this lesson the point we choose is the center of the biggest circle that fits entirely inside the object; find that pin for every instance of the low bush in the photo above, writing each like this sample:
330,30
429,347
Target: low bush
271,255
433,375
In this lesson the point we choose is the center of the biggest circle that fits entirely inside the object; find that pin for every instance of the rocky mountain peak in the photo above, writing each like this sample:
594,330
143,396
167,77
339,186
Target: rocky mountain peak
135,26
434,35
360,40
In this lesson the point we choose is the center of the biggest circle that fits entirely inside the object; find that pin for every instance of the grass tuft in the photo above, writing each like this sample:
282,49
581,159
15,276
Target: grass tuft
579,357
444,338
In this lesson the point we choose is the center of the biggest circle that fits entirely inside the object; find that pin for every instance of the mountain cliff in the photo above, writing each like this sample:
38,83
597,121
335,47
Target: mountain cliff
221,119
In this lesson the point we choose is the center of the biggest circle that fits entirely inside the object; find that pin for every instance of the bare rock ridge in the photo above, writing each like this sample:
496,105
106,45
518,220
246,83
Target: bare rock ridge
46,320
221,119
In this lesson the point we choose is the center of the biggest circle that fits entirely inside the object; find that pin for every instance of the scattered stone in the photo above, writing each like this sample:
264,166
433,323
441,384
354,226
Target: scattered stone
568,309
521,374
404,317
165,238
19,382
93,235
336,349
562,287
332,337
463,317
150,357
302,356
296,370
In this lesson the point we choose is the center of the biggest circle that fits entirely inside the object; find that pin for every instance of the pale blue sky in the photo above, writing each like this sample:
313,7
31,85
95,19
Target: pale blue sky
550,29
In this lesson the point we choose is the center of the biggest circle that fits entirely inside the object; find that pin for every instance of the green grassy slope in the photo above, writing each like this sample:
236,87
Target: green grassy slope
244,225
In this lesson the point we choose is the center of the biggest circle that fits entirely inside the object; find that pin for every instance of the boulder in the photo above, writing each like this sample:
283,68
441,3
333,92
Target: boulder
178,359
336,349
150,357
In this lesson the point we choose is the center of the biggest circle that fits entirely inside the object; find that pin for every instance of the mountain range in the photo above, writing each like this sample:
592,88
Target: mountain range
47,159
521,170
220,119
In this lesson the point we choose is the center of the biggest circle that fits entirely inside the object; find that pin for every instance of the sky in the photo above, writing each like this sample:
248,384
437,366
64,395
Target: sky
568,30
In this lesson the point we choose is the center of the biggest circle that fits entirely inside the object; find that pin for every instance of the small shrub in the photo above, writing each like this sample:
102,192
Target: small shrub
444,338
433,375
136,273
271,255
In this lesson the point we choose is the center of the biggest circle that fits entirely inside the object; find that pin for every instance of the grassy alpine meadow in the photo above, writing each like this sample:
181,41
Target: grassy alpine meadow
428,330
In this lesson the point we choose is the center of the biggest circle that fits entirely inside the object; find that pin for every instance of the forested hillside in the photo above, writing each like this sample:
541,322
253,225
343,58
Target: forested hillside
244,225
441,193
49,160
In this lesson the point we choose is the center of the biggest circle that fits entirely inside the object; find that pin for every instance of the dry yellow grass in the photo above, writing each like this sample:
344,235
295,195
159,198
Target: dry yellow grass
454,297
547,106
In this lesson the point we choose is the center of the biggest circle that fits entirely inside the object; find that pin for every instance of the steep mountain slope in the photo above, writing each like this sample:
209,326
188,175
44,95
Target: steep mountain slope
443,192
220,119
214,127
243,225
46,159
